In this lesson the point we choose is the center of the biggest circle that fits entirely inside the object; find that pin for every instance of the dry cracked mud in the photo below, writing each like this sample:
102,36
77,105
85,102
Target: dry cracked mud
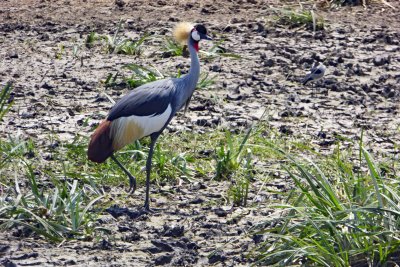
361,90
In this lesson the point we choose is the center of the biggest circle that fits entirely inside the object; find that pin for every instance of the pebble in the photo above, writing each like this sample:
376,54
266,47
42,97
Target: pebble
381,60
217,256
174,230
162,245
163,259
215,68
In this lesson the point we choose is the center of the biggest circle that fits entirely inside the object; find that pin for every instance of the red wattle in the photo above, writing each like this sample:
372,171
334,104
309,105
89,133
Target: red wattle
196,46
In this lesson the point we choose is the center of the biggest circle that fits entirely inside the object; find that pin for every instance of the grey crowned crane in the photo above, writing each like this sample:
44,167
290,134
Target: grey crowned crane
147,110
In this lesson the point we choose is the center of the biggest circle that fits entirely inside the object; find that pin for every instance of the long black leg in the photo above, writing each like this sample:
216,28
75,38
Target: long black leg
148,171
132,179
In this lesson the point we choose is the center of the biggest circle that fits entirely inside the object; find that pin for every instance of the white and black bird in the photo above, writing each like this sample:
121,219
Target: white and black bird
316,73
147,110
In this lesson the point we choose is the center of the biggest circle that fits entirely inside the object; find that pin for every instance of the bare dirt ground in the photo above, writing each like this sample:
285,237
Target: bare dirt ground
360,47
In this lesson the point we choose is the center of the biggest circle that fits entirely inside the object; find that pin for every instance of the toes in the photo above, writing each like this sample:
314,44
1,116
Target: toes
132,185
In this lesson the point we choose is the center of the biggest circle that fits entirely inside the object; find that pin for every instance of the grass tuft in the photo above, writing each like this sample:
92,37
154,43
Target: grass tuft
120,45
217,50
205,81
5,99
90,40
230,155
336,217
295,19
142,75
57,213
171,48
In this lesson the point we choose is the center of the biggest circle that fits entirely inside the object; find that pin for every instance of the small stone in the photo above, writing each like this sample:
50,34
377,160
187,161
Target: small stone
381,60
269,62
70,262
120,3
285,130
321,134
221,212
174,230
100,99
286,113
47,86
259,28
215,68
199,186
27,115
12,54
8,263
4,248
203,122
196,201
218,256
205,11
257,238
163,259
132,237
162,245
70,112
105,245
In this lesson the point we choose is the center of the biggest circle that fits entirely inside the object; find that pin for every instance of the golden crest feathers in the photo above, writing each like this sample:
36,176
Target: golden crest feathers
182,31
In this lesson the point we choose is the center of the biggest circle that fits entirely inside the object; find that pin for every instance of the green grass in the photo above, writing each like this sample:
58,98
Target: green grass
171,48
131,47
90,40
205,81
365,3
59,213
58,209
230,155
142,75
61,51
335,216
118,44
343,208
217,50
5,100
302,18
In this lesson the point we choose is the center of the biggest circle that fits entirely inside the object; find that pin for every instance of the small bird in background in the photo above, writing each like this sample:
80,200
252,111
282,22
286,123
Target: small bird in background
316,73
148,109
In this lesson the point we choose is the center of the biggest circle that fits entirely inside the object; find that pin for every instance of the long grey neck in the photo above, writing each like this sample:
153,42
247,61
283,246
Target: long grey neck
189,81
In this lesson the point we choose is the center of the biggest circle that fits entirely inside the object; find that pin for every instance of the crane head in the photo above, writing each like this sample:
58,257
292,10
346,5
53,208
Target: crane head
185,32
199,32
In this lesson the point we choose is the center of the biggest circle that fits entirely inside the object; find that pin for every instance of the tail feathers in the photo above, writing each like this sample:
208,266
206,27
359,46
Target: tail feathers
307,79
100,145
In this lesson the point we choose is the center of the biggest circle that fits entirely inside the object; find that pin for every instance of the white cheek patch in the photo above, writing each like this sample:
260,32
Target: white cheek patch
195,36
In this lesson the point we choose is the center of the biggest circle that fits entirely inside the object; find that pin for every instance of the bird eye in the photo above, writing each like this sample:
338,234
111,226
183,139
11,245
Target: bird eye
196,36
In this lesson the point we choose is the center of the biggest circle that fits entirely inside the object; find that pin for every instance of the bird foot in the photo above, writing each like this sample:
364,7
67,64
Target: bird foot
132,184
147,210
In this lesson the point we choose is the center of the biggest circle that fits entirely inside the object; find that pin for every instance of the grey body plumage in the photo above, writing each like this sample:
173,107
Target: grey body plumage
153,98
147,110
316,73
148,99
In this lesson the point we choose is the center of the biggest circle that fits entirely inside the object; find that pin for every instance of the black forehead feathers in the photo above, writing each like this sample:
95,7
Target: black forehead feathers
201,29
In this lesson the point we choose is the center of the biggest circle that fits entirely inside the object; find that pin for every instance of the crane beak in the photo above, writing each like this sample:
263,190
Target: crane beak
206,37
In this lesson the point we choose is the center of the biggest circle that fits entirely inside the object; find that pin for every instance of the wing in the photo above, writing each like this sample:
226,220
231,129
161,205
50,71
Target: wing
307,79
318,71
149,99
